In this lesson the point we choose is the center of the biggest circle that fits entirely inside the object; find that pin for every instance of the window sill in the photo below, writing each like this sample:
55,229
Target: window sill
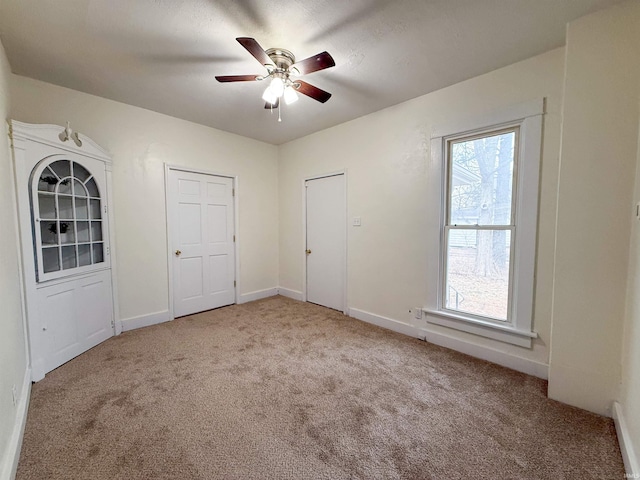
502,333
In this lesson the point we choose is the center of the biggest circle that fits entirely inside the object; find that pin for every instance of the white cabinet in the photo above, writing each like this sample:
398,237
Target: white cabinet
63,192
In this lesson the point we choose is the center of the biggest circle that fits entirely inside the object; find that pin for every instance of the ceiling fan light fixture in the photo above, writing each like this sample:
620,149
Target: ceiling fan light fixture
277,86
290,95
268,96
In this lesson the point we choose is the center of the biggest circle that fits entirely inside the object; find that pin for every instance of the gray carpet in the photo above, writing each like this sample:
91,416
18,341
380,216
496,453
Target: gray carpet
287,390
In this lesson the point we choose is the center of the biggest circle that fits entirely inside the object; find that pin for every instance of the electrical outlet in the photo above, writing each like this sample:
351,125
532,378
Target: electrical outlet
14,395
417,312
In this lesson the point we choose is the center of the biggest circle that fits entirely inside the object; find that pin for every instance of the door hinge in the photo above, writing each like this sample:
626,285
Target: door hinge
233,192
105,209
234,239
234,283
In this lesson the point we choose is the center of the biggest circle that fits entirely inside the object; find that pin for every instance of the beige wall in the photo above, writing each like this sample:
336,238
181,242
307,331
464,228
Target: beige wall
141,141
13,363
631,337
595,206
387,158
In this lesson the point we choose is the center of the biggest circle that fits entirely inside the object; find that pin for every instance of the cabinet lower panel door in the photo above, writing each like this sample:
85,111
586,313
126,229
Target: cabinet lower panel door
73,317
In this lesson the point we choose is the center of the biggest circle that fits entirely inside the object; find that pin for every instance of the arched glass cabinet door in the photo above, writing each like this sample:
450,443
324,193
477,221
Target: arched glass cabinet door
68,215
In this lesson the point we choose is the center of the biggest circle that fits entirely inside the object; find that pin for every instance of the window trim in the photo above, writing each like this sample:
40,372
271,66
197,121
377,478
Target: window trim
519,329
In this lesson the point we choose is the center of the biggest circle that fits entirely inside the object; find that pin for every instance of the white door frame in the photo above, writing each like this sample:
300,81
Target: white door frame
346,234
236,222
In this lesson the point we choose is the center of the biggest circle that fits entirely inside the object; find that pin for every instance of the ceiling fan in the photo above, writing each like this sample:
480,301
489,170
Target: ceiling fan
281,65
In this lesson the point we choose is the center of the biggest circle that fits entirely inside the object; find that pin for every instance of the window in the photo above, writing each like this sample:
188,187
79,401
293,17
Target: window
67,220
488,197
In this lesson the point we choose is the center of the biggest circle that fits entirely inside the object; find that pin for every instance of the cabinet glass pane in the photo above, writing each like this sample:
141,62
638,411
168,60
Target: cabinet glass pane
84,255
98,256
67,233
69,257
96,231
48,233
82,232
62,168
64,187
80,172
93,188
65,206
82,210
95,209
78,189
47,181
47,204
50,260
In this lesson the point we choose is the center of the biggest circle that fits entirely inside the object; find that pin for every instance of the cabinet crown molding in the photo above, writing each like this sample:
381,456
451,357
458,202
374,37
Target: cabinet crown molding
48,135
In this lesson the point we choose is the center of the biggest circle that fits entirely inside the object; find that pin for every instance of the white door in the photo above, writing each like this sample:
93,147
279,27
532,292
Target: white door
201,222
326,233
73,316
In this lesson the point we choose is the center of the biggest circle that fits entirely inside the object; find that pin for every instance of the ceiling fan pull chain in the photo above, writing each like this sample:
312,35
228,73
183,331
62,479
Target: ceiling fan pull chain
279,112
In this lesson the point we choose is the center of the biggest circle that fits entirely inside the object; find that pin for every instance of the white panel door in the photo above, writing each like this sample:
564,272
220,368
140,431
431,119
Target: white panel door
326,233
201,220
73,316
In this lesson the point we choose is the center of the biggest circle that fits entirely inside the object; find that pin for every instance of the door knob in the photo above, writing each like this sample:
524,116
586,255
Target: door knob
178,252
307,251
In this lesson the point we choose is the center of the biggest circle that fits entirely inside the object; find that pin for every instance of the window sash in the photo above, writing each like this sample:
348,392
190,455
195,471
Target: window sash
514,174
445,271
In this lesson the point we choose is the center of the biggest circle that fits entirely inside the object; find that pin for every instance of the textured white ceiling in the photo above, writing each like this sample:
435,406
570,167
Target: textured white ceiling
163,54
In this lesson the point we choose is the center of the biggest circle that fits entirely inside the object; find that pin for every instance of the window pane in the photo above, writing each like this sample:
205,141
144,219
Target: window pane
65,208
93,188
83,232
48,181
82,211
477,274
80,172
68,257
95,209
98,256
481,183
48,233
47,205
78,189
96,231
84,255
50,260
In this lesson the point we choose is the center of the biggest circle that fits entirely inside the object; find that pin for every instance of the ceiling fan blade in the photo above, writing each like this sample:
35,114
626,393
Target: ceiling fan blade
313,64
269,106
254,48
311,91
237,78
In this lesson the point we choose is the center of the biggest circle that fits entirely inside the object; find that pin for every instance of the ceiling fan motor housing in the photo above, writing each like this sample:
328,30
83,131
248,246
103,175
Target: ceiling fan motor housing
282,58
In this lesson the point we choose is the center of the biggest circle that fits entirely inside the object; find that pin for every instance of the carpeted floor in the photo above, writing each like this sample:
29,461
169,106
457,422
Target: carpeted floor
287,390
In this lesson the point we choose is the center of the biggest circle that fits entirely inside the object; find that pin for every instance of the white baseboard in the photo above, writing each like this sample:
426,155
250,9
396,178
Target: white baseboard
524,365
631,464
257,295
145,320
384,322
519,364
12,454
285,292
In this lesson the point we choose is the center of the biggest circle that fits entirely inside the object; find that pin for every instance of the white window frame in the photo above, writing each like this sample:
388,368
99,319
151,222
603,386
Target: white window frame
518,330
